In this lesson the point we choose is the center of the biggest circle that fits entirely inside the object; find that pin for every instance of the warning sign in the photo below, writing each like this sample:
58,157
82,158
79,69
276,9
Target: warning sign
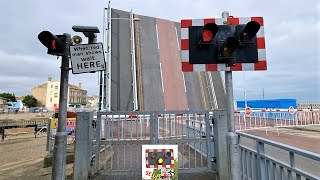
160,162
248,111
291,110
87,58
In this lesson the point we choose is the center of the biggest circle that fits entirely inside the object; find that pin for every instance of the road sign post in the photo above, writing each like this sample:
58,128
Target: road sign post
58,45
60,144
232,137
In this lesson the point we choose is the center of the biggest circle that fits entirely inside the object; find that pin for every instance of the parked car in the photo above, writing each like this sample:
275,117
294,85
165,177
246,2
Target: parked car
35,110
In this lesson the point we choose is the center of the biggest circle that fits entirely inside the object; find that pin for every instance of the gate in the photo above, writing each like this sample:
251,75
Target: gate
124,133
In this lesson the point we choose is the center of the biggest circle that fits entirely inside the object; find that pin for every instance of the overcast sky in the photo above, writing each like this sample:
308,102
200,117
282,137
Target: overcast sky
292,30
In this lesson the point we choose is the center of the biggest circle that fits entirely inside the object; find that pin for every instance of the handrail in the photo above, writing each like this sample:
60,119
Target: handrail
295,170
213,97
267,165
107,42
133,61
289,148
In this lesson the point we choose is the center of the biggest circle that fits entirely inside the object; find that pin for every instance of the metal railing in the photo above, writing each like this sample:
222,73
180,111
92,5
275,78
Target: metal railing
258,119
107,42
23,123
13,128
24,116
257,163
212,94
133,63
263,159
125,132
308,105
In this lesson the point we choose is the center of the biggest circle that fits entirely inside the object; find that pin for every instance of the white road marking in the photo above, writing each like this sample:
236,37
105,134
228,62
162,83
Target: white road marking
184,82
157,36
177,38
161,78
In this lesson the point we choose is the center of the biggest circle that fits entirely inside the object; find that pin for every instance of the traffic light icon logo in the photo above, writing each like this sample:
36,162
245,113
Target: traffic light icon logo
159,158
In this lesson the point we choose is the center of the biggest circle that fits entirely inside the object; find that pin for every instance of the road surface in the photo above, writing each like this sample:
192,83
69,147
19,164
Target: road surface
164,85
121,73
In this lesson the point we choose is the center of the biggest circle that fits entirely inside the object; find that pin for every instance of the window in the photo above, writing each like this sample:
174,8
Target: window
50,99
51,86
55,95
56,87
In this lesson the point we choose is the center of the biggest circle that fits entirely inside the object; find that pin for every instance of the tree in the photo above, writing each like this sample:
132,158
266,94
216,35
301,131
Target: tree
9,97
30,101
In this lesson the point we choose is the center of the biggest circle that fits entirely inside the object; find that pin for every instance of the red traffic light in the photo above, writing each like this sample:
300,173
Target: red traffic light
54,43
207,35
208,32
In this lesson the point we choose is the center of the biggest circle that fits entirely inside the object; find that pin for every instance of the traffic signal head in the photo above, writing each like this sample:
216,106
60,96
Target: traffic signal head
247,32
227,43
208,33
248,49
54,43
229,47
202,43
211,44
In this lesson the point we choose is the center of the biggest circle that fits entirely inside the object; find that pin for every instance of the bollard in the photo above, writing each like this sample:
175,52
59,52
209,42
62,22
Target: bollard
35,130
2,133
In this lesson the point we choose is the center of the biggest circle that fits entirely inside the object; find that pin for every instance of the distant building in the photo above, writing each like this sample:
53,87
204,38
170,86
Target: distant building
268,103
16,105
20,98
3,105
92,101
48,94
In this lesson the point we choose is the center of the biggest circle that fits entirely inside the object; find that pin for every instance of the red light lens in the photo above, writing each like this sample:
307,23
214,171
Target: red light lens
207,35
53,44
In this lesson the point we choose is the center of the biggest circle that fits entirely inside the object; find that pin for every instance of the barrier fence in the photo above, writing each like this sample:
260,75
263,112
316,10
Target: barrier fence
260,163
9,127
277,118
126,132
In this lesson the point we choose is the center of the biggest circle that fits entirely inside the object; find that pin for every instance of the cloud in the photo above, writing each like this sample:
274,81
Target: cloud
22,72
291,29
